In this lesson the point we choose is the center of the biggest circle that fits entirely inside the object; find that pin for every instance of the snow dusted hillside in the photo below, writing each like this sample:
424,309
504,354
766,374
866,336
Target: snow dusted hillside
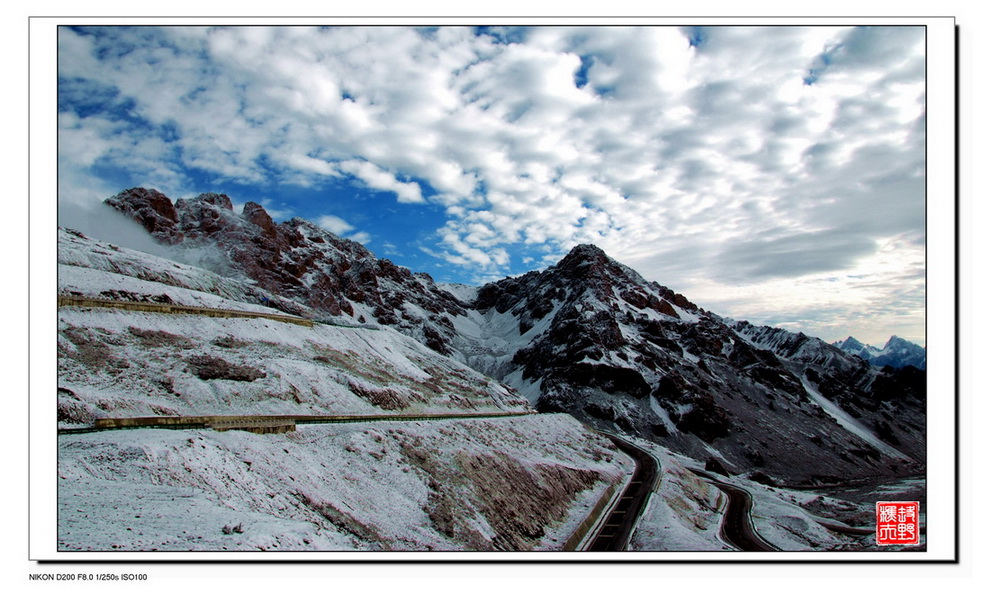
504,484
587,338
296,259
477,484
117,363
97,269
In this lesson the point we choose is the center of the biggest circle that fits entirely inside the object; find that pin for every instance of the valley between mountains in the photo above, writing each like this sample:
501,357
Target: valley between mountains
505,390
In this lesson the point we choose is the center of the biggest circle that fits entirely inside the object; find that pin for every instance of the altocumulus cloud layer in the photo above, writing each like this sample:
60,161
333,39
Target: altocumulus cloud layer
772,173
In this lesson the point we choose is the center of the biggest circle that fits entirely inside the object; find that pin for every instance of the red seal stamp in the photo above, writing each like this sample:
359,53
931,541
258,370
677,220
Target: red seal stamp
897,523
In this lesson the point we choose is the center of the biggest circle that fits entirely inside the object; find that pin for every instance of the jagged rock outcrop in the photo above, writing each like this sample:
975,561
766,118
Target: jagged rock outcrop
152,210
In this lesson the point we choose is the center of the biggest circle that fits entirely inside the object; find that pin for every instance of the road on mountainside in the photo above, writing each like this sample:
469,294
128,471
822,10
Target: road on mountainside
737,528
614,534
261,422
169,308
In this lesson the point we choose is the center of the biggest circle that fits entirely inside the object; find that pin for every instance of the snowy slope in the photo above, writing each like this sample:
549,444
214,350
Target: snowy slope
117,363
484,484
517,484
92,268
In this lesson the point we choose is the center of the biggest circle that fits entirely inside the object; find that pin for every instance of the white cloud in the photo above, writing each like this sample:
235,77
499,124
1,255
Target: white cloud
342,228
362,237
673,158
376,177
335,225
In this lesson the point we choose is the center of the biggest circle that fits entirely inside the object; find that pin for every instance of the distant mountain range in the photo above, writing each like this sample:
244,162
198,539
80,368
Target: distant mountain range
590,337
896,353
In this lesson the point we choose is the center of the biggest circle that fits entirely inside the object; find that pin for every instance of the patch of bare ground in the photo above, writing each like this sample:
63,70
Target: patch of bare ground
495,502
209,367
152,338
91,349
364,532
384,398
229,342
73,410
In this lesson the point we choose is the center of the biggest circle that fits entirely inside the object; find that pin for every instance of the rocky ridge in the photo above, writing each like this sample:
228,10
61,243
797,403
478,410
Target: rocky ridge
298,260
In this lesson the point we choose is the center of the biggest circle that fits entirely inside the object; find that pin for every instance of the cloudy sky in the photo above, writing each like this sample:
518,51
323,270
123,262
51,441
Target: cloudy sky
772,174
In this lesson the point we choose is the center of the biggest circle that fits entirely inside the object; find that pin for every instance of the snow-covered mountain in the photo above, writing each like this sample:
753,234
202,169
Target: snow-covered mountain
524,482
300,261
897,352
592,338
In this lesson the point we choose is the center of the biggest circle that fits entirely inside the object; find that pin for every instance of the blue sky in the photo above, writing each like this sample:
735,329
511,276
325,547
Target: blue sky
774,174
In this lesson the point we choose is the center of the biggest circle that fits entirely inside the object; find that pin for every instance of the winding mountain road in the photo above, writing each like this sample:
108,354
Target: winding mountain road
737,528
617,528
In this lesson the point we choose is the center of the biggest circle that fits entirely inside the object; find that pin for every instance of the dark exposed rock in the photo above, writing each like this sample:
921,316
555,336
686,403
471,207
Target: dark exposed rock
761,478
604,412
706,420
219,200
610,379
258,216
715,466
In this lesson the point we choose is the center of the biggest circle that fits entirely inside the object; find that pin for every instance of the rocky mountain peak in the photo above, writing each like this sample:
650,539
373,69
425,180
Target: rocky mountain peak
896,342
851,344
588,267
586,258
257,215
897,352
151,209
205,215
586,252
603,344
219,200
336,277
